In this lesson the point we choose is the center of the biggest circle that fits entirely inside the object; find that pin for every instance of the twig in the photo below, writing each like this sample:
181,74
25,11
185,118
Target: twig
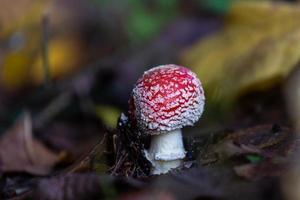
58,104
45,41
28,137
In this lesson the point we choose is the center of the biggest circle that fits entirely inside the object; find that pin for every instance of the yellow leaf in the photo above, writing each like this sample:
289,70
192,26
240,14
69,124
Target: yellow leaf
21,14
22,65
14,70
14,73
64,59
259,45
108,114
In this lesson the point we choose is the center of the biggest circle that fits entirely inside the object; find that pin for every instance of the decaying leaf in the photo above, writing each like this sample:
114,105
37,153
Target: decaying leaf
254,153
21,152
259,170
84,186
72,186
266,141
259,46
93,160
148,195
193,183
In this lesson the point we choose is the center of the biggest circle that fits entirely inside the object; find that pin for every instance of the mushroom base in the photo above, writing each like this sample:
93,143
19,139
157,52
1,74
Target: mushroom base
166,151
162,167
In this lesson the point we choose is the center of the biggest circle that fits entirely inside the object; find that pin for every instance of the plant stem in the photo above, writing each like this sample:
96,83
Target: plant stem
45,57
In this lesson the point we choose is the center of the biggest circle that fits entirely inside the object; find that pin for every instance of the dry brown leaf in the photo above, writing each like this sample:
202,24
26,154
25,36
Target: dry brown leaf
264,141
71,186
257,171
21,152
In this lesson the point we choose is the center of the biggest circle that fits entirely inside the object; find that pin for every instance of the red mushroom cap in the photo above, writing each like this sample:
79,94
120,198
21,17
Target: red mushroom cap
166,98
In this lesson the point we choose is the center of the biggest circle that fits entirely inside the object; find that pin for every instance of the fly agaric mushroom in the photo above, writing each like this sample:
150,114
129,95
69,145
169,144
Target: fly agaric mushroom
165,99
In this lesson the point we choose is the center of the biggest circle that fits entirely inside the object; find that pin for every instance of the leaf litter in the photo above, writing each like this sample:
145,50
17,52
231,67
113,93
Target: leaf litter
236,164
21,152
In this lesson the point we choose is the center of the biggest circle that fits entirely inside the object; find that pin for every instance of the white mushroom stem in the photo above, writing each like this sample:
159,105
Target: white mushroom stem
166,151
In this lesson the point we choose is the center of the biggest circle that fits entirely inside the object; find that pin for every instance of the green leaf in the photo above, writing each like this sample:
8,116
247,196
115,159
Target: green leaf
254,158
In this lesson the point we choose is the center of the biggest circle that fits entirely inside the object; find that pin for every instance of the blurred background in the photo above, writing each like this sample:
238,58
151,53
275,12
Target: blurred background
72,64
98,49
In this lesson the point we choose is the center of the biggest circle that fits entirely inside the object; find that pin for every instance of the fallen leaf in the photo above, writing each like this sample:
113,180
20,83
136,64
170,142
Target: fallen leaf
148,195
254,158
257,171
84,186
21,152
108,114
265,141
67,52
193,183
259,44
72,186
64,56
231,149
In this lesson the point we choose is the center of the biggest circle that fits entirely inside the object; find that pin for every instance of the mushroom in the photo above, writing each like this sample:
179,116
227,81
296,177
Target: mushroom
164,100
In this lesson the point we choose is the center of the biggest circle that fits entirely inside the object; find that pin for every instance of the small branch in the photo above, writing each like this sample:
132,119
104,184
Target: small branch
52,110
45,55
